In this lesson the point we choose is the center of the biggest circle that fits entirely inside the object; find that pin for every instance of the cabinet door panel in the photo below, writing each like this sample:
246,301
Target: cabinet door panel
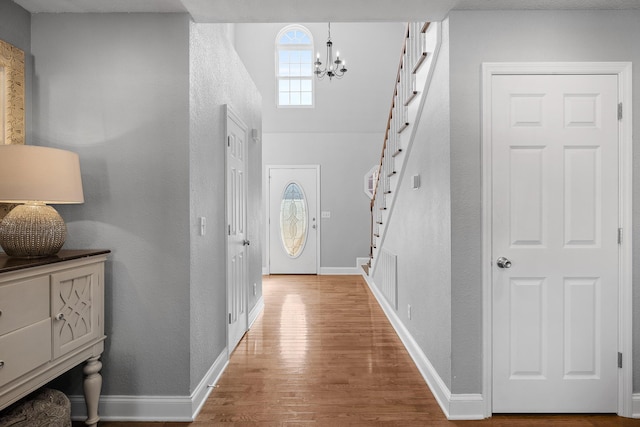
76,305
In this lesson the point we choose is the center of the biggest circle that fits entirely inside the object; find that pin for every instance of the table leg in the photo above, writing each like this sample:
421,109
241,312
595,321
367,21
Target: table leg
92,386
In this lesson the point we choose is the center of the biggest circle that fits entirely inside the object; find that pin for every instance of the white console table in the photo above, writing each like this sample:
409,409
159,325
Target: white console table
51,319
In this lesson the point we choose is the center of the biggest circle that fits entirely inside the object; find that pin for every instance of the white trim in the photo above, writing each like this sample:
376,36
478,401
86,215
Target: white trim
454,406
466,406
635,405
136,408
230,114
625,334
278,47
208,382
257,309
338,271
154,408
267,270
345,271
625,338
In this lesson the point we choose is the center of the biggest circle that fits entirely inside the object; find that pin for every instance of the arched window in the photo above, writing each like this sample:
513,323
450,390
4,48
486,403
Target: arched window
294,67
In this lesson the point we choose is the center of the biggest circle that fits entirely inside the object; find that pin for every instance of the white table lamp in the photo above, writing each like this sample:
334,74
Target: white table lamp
34,177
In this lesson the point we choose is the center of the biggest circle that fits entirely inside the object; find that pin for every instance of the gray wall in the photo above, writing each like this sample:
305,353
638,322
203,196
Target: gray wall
477,37
218,78
15,25
140,97
344,159
115,89
419,229
15,28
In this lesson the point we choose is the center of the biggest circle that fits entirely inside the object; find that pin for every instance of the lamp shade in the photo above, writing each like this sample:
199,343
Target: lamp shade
43,174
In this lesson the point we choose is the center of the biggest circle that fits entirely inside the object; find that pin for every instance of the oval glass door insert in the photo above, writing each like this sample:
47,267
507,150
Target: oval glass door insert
293,220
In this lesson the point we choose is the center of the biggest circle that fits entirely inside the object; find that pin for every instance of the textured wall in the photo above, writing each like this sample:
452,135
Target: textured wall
218,77
540,36
115,89
419,230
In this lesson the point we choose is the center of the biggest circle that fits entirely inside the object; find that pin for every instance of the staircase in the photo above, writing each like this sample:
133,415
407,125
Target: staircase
419,53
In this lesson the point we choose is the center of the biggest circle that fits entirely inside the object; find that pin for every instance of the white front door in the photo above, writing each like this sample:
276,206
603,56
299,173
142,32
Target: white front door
236,229
555,221
293,220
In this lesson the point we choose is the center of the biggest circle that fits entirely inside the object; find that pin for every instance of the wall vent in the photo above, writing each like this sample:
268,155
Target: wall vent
388,272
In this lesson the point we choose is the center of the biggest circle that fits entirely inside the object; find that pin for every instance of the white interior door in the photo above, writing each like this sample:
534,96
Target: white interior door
555,221
293,220
236,229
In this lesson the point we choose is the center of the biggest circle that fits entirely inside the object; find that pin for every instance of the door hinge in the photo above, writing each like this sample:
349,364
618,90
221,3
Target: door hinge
620,111
229,231
619,236
230,321
228,141
619,360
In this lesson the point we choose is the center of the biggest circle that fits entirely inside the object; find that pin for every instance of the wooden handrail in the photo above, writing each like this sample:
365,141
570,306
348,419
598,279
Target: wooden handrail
390,117
408,60
386,138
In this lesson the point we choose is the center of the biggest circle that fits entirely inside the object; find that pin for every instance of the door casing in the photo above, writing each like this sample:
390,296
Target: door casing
268,203
230,114
625,160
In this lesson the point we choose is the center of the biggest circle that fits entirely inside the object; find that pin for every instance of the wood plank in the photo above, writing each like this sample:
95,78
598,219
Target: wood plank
324,353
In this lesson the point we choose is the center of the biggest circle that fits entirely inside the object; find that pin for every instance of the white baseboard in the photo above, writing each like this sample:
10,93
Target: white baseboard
335,271
454,406
154,408
338,271
255,311
635,405
135,408
345,270
202,391
470,406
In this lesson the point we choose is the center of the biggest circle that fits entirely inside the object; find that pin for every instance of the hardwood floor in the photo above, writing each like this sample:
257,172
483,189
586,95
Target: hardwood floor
323,353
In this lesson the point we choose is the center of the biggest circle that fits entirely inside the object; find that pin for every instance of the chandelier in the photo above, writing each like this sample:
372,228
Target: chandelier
334,68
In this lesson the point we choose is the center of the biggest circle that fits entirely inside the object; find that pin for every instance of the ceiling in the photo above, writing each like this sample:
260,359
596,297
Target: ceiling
312,10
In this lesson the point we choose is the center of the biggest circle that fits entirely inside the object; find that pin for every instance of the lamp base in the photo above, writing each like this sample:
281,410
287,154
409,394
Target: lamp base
32,230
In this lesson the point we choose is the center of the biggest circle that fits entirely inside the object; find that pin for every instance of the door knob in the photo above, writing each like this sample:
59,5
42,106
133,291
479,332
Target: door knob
245,242
503,262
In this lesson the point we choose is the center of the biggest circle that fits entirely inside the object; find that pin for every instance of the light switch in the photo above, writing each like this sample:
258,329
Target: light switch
203,225
326,214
